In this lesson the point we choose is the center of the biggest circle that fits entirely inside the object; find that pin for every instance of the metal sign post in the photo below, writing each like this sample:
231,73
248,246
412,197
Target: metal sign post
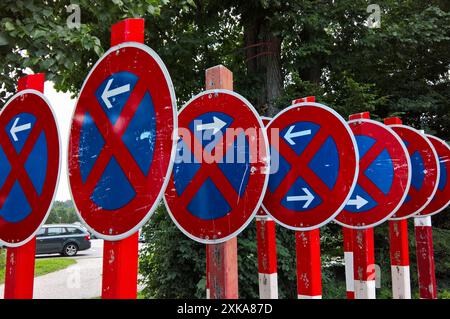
122,149
30,156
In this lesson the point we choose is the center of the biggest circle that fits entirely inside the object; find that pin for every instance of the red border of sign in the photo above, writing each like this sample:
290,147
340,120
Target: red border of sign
441,199
33,102
402,213
204,231
123,222
390,203
307,220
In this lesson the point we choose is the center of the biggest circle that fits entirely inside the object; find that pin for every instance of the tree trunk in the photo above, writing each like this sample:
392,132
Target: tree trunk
263,59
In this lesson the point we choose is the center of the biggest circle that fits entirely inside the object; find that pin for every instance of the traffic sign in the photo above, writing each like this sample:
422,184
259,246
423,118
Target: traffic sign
442,197
314,166
424,171
384,176
29,166
220,172
121,145
265,120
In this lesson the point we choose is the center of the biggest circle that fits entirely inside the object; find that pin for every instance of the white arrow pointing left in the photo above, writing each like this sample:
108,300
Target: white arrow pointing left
290,134
16,129
359,202
216,125
308,198
111,93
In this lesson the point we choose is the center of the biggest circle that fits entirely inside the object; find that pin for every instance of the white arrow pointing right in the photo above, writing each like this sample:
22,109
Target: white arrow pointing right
308,198
290,135
359,202
216,125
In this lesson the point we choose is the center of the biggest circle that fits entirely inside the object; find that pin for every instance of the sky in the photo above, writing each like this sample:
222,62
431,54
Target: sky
63,107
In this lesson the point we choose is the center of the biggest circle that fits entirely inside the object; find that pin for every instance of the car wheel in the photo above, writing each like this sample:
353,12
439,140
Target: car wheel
70,249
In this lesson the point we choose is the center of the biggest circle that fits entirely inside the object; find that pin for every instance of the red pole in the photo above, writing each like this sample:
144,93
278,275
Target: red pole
309,275
398,237
19,272
267,256
120,258
309,272
221,259
363,252
364,263
425,257
348,260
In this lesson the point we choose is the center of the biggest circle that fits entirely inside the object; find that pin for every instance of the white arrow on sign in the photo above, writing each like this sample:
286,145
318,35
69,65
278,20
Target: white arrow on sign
290,135
308,198
111,93
359,202
216,125
16,129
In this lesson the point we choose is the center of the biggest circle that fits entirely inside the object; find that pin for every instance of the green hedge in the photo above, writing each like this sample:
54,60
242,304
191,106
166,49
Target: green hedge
173,266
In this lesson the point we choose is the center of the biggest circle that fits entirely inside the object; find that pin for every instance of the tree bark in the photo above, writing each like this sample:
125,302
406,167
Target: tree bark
263,60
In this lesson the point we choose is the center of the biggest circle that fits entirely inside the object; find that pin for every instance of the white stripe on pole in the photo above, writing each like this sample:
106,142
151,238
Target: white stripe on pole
401,288
309,297
349,280
268,286
365,289
422,221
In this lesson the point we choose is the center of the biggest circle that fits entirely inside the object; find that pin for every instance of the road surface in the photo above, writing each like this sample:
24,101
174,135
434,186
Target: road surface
79,281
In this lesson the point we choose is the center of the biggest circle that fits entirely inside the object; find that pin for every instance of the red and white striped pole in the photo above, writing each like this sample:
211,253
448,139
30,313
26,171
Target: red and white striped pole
348,262
221,259
401,282
19,271
364,263
399,250
267,256
363,252
309,272
120,258
425,257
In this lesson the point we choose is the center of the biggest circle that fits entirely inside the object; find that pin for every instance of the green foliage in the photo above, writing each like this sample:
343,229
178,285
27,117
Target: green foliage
173,266
62,213
325,49
34,34
42,266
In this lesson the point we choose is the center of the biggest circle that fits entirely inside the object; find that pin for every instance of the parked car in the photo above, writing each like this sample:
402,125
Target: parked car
65,239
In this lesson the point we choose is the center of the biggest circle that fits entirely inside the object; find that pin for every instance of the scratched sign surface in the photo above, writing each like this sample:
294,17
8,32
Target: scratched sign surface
441,198
121,147
425,171
220,171
29,166
314,166
384,176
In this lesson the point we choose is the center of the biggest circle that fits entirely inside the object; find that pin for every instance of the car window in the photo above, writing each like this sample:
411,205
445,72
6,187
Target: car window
73,231
41,232
54,231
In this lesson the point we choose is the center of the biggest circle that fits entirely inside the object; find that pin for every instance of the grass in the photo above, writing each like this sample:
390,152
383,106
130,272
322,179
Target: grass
41,267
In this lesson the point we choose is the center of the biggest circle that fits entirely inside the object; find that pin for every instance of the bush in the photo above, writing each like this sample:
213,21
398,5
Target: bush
173,266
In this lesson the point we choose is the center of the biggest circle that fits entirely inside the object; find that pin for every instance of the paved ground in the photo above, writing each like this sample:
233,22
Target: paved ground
81,280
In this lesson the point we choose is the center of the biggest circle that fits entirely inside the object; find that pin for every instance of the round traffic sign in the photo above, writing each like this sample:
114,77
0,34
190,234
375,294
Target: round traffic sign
121,145
265,120
442,197
314,166
424,171
384,176
220,171
29,166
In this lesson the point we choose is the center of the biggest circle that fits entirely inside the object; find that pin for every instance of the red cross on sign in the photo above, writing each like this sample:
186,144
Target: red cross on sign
121,144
